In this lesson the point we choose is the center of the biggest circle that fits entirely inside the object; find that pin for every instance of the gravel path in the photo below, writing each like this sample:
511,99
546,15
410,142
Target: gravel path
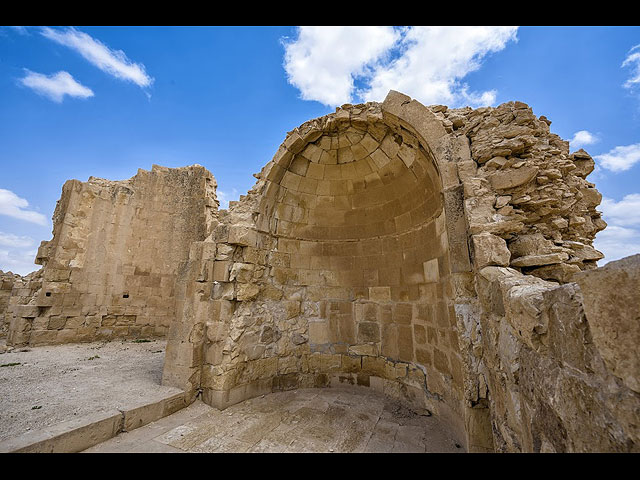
43,386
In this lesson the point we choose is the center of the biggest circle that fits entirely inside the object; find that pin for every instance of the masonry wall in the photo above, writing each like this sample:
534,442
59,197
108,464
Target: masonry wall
7,281
110,269
562,374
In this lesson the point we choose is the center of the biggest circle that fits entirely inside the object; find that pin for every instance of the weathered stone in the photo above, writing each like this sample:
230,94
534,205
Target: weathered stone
535,260
507,179
611,298
489,249
559,272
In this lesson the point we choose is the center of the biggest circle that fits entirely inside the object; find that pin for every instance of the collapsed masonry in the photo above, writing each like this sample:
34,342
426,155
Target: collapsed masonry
430,253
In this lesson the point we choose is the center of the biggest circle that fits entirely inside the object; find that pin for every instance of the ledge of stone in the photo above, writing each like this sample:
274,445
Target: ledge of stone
81,433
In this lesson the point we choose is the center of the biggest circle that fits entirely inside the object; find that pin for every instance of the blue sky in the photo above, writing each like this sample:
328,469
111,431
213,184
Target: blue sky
105,101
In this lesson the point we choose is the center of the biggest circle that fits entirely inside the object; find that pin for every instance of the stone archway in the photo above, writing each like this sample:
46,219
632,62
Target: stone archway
335,268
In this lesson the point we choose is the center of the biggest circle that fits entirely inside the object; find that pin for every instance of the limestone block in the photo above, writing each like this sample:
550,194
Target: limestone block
241,272
559,272
531,244
221,271
380,293
506,179
415,114
456,226
489,249
611,304
431,271
324,363
241,235
535,260
584,163
223,291
584,252
368,332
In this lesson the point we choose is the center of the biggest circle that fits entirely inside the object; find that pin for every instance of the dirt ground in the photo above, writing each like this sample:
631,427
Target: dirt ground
43,386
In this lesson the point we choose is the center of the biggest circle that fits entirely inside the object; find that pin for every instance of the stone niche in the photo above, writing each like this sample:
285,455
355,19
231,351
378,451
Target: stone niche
335,268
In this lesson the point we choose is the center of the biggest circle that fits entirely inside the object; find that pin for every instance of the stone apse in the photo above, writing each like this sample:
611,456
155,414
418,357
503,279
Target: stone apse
441,256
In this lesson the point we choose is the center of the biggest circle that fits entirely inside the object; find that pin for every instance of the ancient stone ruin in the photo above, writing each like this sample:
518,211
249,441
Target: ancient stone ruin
441,256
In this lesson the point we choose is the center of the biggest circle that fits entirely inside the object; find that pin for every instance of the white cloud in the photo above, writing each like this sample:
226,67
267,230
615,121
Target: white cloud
621,238
20,30
583,138
625,213
11,240
633,62
55,86
617,242
224,197
434,60
113,62
18,261
322,62
427,63
18,255
620,158
16,207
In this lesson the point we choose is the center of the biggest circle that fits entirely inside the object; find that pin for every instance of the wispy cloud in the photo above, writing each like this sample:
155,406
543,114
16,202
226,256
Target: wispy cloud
225,197
113,62
624,213
11,240
14,206
55,86
20,30
620,158
632,61
18,261
582,139
427,63
621,238
17,253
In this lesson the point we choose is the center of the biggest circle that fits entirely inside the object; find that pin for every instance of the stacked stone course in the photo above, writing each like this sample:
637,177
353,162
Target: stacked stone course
7,280
523,186
109,271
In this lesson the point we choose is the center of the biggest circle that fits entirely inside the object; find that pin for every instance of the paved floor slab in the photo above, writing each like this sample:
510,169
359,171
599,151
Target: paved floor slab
344,419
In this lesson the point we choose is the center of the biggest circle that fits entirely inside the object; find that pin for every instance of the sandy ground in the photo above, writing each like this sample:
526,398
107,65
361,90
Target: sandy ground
52,384
324,420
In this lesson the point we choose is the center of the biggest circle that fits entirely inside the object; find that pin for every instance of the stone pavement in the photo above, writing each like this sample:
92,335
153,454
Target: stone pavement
343,419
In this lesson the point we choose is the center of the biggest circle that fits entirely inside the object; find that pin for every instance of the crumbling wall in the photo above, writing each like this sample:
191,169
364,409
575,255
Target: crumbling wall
110,269
6,285
522,186
556,383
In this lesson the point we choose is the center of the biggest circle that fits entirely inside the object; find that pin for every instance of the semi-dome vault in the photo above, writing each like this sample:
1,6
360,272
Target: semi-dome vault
428,253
